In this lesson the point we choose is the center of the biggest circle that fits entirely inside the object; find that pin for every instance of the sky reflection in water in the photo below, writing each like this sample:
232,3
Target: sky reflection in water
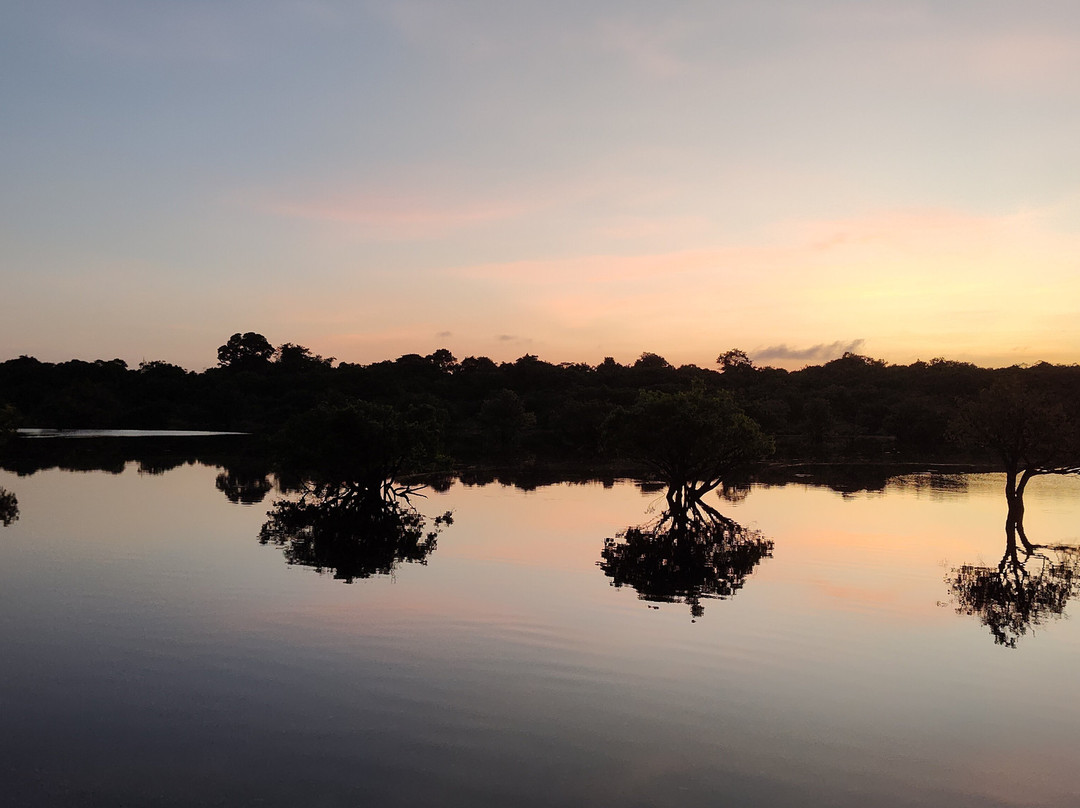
157,654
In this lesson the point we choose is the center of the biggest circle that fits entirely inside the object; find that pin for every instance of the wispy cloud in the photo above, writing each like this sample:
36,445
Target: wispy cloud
822,352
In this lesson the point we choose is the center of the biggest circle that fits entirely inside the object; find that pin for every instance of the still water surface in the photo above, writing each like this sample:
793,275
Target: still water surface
154,653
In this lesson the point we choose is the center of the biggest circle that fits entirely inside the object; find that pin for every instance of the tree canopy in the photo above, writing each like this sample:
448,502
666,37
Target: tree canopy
362,443
1030,427
853,407
692,440
249,351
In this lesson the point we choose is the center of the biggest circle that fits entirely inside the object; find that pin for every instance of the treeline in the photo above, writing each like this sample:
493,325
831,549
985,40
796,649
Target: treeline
854,406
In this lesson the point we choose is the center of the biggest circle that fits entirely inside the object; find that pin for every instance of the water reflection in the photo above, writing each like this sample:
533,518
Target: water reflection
1030,586
351,532
849,479
692,552
9,507
244,485
25,456
531,478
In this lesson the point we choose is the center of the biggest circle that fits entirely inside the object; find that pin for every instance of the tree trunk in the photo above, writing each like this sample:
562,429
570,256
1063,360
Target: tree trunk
1015,483
1014,494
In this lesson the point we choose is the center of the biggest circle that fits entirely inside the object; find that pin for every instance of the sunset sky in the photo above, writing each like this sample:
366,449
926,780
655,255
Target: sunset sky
572,180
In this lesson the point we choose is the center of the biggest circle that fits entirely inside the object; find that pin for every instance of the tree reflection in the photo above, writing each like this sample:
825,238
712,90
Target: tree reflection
244,486
351,531
692,552
9,507
1030,586
352,518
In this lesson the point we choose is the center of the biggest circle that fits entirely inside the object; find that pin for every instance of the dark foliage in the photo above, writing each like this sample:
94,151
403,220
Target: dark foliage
854,407
1030,424
361,443
690,440
248,351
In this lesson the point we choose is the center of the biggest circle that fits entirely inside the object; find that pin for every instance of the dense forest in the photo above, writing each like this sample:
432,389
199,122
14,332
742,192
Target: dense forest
854,407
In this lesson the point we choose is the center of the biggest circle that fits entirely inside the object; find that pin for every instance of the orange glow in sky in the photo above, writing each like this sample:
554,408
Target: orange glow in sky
372,179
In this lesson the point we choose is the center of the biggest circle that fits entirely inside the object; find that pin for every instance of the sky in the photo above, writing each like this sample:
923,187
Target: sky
571,180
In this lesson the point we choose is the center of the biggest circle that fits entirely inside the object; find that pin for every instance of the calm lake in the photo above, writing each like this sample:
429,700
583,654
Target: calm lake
155,653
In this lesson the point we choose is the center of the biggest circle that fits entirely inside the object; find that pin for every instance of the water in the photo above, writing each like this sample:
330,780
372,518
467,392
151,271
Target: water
121,433
154,653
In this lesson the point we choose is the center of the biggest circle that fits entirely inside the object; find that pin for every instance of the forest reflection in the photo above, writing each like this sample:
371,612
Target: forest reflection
691,553
350,531
1031,585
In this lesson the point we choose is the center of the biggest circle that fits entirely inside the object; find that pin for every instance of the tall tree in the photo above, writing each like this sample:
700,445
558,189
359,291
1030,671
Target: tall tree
1029,430
692,440
249,351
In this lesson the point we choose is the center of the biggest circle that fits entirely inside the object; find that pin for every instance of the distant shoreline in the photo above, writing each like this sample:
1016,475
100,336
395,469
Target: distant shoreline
121,433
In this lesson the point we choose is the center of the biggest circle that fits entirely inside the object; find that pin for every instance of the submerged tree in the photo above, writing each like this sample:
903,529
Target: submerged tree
363,444
1027,588
691,440
1033,431
354,517
1029,430
687,555
9,507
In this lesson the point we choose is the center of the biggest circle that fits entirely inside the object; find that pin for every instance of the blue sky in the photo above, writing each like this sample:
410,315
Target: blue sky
571,180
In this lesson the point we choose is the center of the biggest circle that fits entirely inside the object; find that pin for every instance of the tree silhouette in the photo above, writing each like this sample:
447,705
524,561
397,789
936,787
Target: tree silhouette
351,532
652,361
249,351
504,420
354,516
443,360
1028,429
362,444
734,360
293,358
687,555
9,507
1026,589
691,440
